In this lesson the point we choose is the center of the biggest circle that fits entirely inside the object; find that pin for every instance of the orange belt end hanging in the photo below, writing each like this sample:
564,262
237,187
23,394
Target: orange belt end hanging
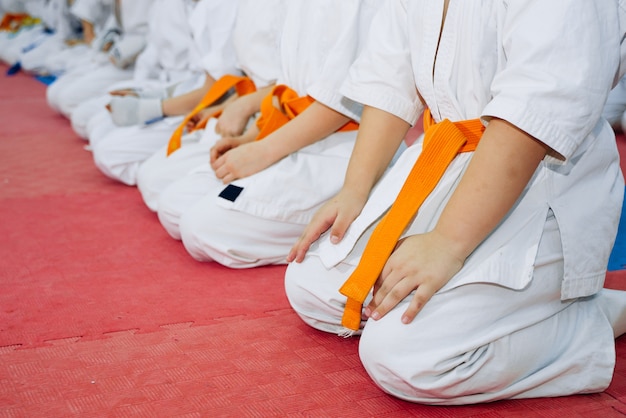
243,86
442,143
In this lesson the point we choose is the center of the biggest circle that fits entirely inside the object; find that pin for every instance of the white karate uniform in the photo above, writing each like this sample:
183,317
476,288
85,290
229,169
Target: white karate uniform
11,6
12,44
120,153
94,78
256,41
96,12
615,107
520,319
161,64
319,42
65,26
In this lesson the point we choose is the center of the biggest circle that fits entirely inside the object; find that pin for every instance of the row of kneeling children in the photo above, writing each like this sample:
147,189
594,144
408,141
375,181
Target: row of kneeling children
471,262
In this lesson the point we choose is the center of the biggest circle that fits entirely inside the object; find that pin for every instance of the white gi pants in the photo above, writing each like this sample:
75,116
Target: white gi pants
187,210
34,60
92,109
69,58
121,151
477,342
76,87
90,120
11,45
160,170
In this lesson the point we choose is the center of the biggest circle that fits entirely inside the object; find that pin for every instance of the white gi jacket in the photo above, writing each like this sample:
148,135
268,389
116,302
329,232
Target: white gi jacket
514,60
186,39
35,8
12,6
257,38
319,42
58,17
130,20
97,12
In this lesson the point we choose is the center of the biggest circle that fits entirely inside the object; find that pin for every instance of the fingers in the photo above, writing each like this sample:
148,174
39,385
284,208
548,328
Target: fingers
219,149
300,248
224,170
192,123
340,226
420,298
204,119
311,234
124,92
221,170
214,155
390,292
393,286
224,131
224,175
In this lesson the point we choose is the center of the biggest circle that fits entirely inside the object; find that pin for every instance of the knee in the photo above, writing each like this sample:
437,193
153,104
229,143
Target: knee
169,212
79,122
98,126
211,233
146,187
313,294
101,151
406,363
191,221
398,368
295,288
52,96
110,160
67,101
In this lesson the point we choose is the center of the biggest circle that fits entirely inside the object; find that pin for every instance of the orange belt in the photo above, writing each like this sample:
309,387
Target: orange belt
13,21
291,105
243,86
442,142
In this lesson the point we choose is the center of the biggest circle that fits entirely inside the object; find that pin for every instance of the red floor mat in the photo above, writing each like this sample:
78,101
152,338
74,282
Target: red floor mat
85,264
89,283
82,256
264,367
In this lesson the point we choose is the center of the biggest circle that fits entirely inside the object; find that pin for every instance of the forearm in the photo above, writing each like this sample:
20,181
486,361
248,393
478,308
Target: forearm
380,135
185,103
503,164
312,125
253,100
88,32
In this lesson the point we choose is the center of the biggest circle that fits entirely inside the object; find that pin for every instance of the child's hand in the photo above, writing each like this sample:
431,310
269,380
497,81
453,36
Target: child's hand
337,215
73,42
124,92
200,118
222,146
234,118
242,161
423,263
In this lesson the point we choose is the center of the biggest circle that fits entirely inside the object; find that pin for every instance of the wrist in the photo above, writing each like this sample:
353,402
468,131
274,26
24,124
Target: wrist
249,106
453,242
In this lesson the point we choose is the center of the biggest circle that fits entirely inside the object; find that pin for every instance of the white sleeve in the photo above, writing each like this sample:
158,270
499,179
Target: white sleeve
90,10
622,23
325,89
147,64
134,16
382,75
216,43
561,59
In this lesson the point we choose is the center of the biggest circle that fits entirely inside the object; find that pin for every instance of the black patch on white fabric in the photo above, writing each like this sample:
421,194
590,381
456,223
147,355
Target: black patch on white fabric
231,192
